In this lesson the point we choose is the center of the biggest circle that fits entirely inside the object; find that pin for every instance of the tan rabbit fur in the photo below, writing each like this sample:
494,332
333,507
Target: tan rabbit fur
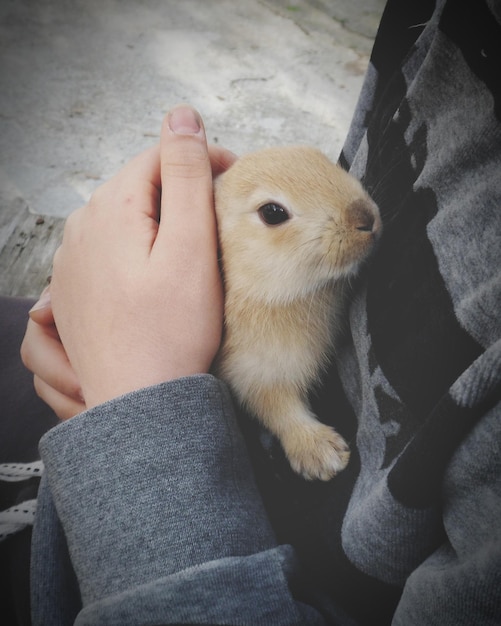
285,289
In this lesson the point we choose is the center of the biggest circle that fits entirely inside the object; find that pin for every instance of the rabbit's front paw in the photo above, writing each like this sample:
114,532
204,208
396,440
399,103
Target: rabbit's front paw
316,451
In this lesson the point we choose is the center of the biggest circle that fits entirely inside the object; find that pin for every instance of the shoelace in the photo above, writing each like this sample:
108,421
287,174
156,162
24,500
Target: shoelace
18,516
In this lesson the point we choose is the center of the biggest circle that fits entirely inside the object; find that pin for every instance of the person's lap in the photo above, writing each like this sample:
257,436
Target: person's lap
24,418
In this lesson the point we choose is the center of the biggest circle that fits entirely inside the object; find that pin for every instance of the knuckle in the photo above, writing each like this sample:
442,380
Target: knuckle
187,162
56,261
98,196
70,225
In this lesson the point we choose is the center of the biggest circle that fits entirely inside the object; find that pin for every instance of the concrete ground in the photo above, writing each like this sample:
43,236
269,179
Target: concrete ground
84,84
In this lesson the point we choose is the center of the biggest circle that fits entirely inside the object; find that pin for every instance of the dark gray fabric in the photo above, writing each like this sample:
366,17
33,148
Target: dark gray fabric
24,418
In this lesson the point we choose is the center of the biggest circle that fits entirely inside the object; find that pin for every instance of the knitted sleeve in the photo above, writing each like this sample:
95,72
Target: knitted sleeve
161,517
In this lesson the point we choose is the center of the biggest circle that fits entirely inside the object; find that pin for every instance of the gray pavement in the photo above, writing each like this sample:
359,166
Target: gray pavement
84,84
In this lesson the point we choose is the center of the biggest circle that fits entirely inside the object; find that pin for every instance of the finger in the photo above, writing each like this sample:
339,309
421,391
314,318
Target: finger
43,354
63,406
187,220
41,311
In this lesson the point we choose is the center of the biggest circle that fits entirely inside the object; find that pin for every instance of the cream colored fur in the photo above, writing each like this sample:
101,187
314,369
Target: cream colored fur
285,289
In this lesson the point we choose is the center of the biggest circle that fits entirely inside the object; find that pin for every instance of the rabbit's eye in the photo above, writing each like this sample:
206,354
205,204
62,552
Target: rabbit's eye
273,214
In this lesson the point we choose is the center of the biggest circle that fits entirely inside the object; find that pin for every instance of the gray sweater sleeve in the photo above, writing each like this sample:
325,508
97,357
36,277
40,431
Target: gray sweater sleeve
161,516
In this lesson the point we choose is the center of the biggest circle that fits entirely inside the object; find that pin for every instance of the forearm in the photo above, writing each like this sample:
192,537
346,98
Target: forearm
156,498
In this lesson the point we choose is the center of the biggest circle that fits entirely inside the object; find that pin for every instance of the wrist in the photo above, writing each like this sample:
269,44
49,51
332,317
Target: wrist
102,389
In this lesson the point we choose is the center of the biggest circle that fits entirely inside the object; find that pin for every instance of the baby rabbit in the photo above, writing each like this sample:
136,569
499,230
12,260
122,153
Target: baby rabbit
292,228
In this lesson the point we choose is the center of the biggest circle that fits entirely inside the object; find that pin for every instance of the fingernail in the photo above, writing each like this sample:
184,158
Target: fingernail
42,302
184,120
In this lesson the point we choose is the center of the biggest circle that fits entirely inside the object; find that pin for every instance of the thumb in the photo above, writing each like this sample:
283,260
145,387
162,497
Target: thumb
187,208
186,243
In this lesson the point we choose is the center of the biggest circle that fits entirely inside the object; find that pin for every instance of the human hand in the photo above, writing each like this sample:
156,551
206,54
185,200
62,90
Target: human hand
137,302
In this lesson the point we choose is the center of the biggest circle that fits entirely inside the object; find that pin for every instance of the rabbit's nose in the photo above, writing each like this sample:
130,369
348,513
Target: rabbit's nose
362,216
